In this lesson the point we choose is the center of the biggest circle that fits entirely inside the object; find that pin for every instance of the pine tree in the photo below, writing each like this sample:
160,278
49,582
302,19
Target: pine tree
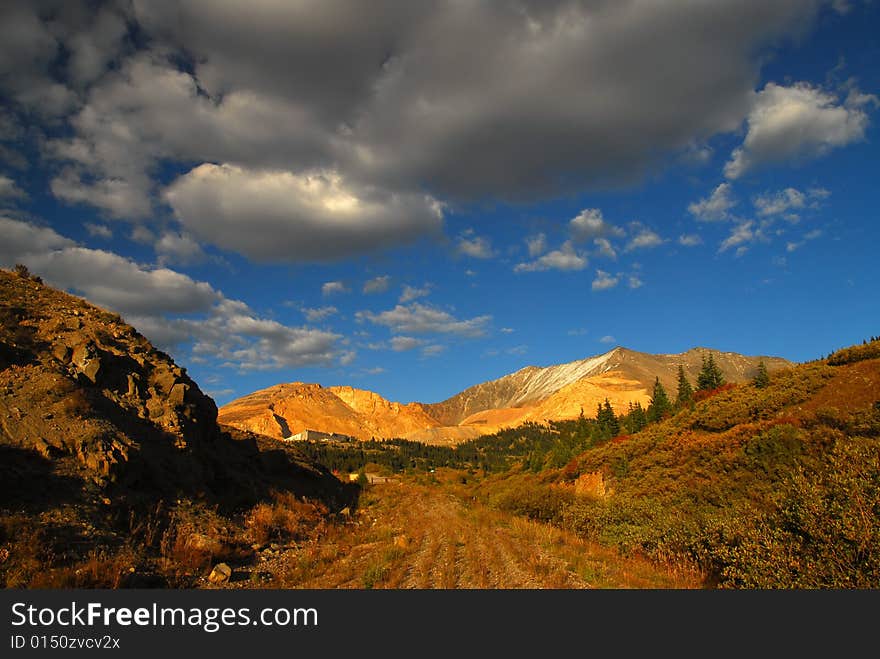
635,419
660,405
685,390
762,378
611,421
710,376
607,420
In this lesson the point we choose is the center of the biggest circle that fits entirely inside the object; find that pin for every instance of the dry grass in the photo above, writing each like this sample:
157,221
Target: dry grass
285,518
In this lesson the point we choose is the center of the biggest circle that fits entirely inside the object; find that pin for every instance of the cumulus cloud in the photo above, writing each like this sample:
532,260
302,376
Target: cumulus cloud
317,314
98,230
716,206
282,216
418,318
536,245
689,240
604,281
644,238
742,234
476,247
800,121
333,287
786,202
404,343
607,339
590,223
635,282
411,293
564,258
267,89
9,189
605,248
378,284
433,350
174,247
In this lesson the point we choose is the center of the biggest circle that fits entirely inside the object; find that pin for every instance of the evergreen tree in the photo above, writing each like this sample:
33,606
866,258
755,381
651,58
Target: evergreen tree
710,376
660,405
685,390
762,379
607,421
611,421
635,419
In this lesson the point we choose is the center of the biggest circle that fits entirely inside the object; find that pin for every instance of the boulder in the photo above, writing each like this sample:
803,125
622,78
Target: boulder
220,574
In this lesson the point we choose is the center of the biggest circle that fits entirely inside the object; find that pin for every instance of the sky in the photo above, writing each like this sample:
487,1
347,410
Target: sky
414,197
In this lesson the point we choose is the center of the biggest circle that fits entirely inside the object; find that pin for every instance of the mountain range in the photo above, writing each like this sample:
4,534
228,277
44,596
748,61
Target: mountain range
532,393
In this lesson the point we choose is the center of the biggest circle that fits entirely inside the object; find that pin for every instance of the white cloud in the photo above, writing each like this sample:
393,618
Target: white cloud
536,245
690,240
411,293
119,197
564,258
9,189
635,282
742,233
333,287
607,339
476,247
507,330
605,248
801,121
645,238
274,215
99,230
141,234
433,350
418,318
788,200
810,235
590,223
404,343
317,314
377,284
716,206
579,331
174,247
604,281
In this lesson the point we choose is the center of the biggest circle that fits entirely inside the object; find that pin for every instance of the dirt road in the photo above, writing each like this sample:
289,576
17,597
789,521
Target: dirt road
407,535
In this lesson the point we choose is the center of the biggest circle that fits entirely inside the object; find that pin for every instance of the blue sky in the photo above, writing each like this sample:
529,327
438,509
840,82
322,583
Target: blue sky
413,199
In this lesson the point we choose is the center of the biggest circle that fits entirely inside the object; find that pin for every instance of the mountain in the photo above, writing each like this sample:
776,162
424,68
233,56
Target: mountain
285,409
531,394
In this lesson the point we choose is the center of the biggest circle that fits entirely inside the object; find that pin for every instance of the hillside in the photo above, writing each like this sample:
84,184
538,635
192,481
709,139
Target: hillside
97,426
759,487
531,394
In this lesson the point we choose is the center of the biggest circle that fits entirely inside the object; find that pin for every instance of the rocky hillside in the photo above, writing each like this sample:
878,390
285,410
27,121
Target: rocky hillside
530,394
87,401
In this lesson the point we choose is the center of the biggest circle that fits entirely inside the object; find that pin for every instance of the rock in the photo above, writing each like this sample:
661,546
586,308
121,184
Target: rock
202,542
87,361
221,573
177,396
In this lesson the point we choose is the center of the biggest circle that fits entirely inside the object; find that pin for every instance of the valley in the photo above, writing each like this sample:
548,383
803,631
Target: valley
738,472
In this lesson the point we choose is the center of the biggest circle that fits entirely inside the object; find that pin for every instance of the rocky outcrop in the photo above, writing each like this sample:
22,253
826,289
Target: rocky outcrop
86,391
